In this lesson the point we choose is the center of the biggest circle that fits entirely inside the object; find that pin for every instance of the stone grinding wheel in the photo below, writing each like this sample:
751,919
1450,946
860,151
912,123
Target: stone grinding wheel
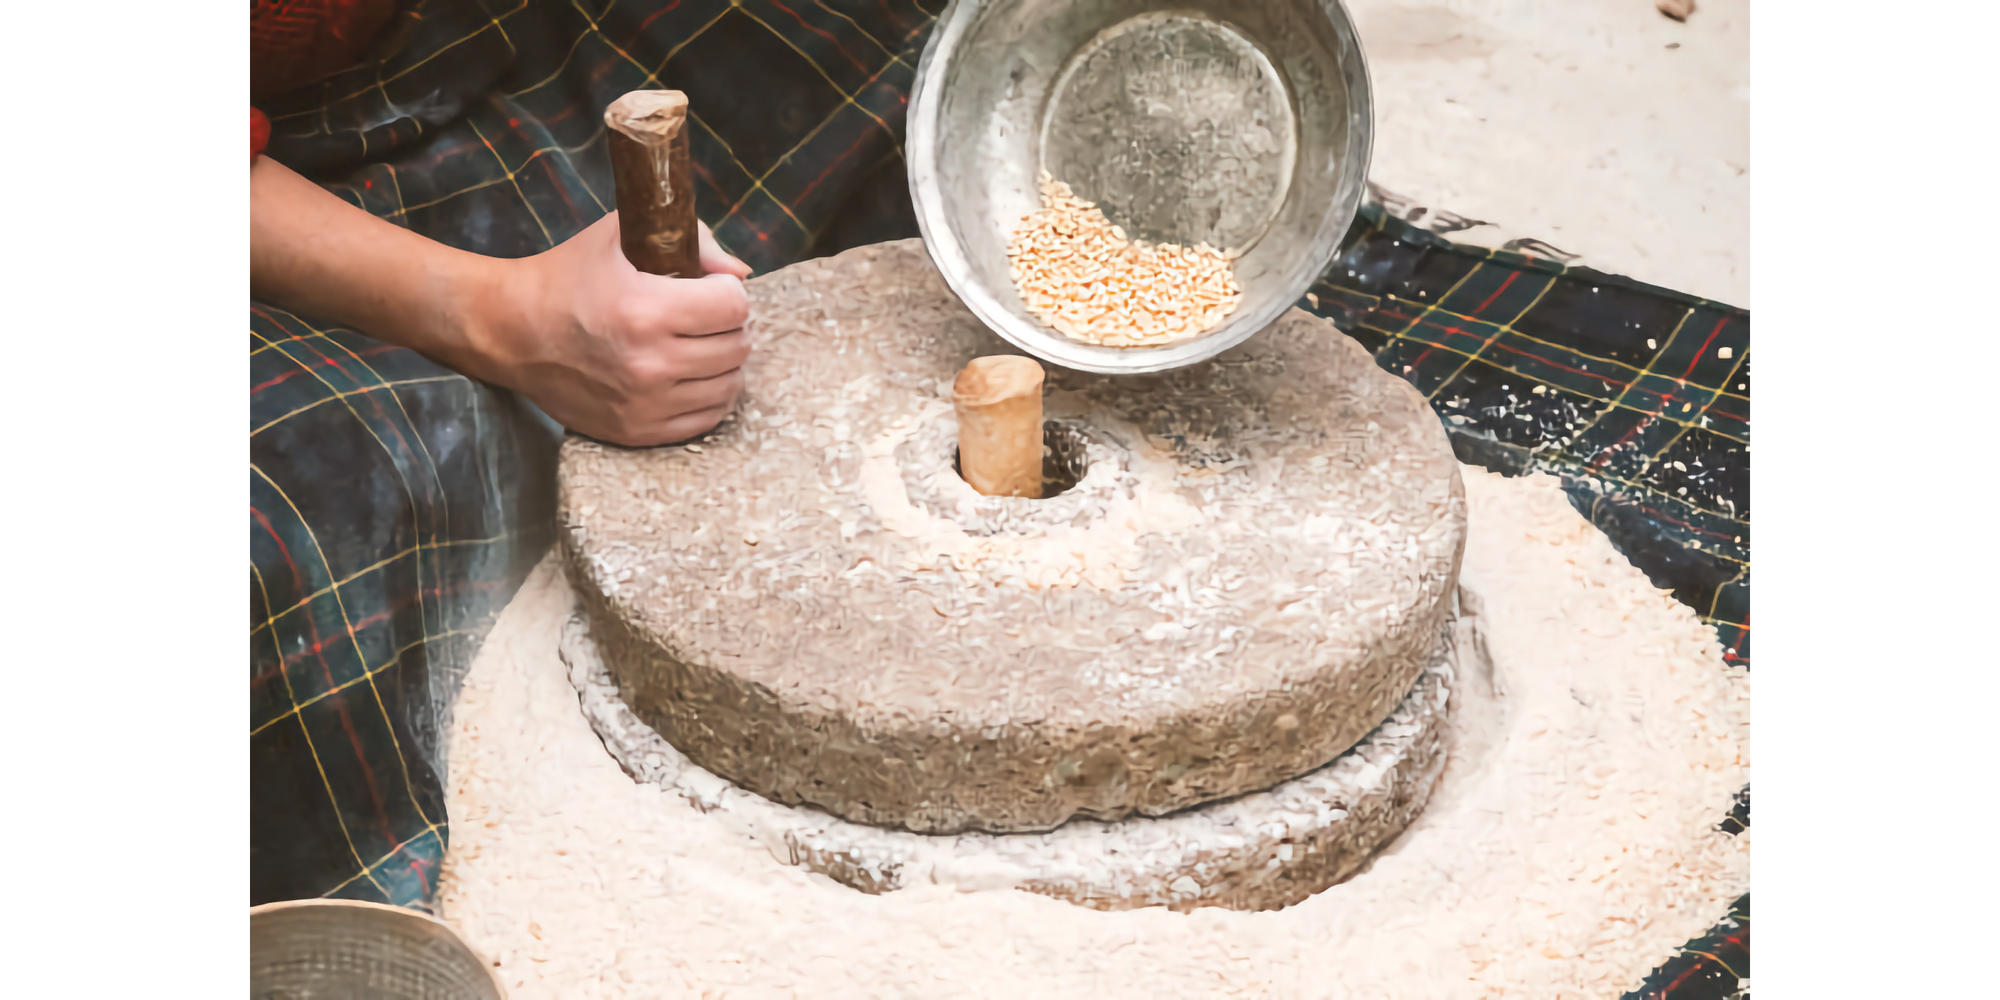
1248,574
1260,851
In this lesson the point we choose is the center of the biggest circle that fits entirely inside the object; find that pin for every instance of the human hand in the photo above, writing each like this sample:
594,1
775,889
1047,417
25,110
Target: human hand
630,358
609,351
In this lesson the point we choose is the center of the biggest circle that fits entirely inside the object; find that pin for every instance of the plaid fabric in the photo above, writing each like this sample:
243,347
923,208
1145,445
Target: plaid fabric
1636,397
484,129
396,506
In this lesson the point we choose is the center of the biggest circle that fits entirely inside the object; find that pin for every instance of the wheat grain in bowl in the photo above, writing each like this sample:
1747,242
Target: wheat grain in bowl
1079,273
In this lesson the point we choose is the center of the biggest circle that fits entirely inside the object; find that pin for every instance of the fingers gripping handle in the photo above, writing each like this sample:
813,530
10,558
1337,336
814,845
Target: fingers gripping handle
647,134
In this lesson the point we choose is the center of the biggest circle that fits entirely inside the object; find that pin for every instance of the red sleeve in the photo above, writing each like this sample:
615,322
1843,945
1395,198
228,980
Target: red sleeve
260,133
293,42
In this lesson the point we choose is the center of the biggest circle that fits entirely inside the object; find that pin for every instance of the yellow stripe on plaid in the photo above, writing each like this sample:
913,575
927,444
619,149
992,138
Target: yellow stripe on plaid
388,720
326,784
367,677
364,571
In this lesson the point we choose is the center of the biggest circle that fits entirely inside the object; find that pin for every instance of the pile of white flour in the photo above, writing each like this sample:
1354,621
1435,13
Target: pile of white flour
1570,847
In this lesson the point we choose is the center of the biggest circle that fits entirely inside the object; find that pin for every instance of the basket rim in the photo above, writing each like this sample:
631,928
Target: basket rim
478,957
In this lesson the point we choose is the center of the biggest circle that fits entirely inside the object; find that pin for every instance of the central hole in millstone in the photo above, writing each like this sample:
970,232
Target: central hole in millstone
1062,459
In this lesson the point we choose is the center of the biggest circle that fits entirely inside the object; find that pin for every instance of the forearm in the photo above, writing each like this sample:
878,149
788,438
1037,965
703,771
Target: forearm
603,348
315,254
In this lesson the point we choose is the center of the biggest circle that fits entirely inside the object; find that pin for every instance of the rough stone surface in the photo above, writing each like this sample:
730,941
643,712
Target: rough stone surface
1261,851
1247,578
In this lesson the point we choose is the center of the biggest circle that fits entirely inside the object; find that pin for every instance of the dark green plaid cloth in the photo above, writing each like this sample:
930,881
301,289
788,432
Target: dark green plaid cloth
396,506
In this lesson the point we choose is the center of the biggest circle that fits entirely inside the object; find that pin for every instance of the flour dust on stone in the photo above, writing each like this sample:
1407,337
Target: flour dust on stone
1569,847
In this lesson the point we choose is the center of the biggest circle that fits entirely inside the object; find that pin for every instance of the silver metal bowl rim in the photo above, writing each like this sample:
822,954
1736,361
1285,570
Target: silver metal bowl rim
401,912
948,254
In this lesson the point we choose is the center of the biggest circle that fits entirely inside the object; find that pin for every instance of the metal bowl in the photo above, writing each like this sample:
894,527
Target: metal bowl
1243,123
330,949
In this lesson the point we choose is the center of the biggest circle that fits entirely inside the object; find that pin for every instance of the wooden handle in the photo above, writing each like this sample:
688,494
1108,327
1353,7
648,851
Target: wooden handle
647,134
999,403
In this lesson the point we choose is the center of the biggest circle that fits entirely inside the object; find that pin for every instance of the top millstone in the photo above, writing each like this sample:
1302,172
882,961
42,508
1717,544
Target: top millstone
1249,572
